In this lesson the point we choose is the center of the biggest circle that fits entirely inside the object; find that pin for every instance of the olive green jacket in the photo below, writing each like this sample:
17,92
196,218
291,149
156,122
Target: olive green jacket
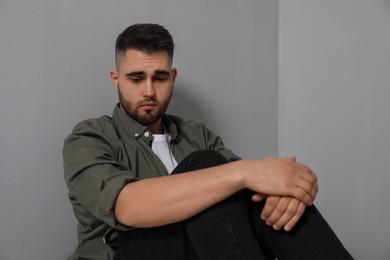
102,155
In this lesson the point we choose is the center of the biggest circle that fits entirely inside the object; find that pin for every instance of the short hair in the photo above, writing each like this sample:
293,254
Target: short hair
147,38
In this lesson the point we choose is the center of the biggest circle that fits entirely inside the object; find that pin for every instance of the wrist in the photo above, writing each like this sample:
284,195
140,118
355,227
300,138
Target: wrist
239,172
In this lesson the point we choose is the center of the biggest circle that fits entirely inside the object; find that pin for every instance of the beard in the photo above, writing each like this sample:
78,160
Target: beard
144,117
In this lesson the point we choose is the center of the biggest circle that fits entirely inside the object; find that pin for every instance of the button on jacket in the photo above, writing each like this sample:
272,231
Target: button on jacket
102,155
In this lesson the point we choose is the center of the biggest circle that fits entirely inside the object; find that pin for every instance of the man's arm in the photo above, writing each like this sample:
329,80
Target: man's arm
164,200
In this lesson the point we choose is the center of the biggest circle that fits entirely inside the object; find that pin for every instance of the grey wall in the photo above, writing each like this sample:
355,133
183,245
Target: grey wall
334,85
55,58
333,90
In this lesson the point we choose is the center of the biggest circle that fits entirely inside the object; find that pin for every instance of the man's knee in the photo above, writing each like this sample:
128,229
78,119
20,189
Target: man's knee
199,160
208,157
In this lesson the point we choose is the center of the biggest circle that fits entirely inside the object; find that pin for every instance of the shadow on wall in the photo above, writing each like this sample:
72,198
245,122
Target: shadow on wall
189,105
386,4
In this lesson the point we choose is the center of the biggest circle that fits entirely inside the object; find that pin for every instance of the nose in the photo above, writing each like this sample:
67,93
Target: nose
149,90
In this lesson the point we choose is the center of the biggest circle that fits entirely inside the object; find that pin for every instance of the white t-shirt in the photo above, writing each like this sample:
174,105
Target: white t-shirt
160,147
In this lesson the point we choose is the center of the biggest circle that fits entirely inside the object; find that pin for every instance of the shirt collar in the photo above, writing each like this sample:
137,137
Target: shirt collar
169,126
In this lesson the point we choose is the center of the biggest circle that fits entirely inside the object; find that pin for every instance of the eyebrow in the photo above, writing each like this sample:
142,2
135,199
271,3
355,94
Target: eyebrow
142,73
162,72
135,73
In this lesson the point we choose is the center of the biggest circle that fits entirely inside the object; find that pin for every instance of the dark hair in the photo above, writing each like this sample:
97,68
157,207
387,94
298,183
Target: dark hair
147,38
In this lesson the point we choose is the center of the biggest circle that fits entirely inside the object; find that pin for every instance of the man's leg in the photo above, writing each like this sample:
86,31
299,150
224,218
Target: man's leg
165,242
223,231
228,231
311,238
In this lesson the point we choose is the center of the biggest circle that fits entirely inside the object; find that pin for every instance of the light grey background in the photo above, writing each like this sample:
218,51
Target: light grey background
334,112
329,107
55,58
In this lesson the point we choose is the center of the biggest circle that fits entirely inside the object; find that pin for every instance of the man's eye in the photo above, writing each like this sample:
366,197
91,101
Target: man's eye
135,80
160,79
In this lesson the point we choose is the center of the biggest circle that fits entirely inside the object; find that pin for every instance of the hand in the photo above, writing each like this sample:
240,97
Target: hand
281,212
281,177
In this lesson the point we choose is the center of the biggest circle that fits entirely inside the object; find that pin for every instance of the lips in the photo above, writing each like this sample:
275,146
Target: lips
148,105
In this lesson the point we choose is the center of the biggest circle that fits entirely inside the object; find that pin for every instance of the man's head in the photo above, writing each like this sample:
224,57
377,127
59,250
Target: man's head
148,38
144,76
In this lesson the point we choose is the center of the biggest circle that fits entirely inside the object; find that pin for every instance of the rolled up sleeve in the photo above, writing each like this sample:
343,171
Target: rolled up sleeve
94,174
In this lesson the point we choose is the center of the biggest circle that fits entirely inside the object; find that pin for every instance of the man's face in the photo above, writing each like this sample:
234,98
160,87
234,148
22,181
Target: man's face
144,83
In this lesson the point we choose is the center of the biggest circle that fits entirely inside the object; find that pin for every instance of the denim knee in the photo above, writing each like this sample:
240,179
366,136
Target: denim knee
199,160
209,157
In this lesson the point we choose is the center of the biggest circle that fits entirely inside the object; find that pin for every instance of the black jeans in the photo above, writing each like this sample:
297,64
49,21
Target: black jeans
231,229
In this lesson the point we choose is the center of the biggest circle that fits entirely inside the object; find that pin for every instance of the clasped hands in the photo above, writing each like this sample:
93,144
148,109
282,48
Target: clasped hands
284,211
280,212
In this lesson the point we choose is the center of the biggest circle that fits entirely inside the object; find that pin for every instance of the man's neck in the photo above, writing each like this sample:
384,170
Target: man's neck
156,128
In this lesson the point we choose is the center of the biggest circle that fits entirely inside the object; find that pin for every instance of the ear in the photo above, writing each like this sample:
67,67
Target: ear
114,78
174,74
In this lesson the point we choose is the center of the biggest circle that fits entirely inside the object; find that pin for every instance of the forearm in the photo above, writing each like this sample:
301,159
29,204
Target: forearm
164,200
169,199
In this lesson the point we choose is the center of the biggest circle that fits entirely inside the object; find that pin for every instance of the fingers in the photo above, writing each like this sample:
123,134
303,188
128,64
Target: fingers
258,197
301,194
282,212
307,174
308,183
275,218
307,190
295,218
289,212
269,206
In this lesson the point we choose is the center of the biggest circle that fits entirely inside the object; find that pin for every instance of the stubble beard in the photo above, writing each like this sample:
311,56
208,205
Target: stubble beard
145,118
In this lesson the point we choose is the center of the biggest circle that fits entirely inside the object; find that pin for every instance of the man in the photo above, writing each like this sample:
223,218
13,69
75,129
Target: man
147,185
